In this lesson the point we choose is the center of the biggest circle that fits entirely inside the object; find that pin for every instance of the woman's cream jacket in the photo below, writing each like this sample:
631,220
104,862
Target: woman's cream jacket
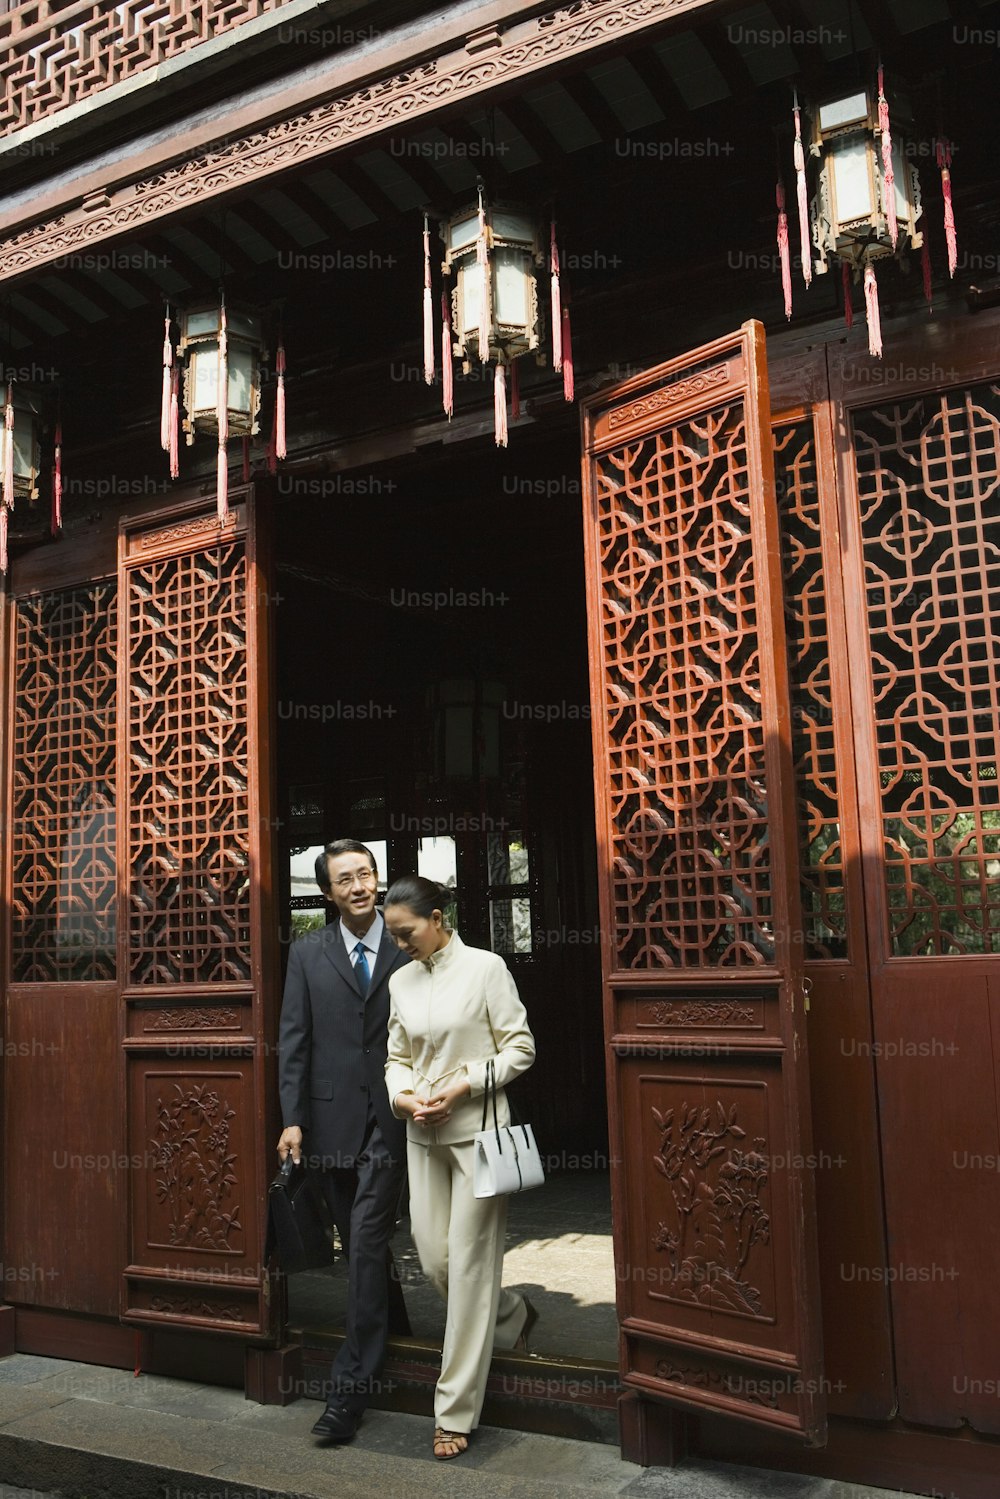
449,1014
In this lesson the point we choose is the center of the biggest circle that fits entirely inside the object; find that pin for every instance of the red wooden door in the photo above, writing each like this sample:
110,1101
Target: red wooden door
920,475
140,943
704,1008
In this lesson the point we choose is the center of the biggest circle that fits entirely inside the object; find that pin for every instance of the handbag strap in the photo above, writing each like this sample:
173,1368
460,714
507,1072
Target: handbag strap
490,1091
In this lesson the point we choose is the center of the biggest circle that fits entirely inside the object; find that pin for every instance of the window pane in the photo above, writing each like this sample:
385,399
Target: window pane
507,858
510,926
437,859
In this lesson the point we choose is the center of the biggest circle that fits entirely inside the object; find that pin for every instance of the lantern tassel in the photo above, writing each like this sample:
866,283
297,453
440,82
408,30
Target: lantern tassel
799,159
888,177
272,443
483,261
3,538
246,460
783,253
925,272
848,304
168,360
556,300
951,238
280,448
500,405
569,389
222,416
515,390
871,308
8,449
175,422
447,367
57,482
428,309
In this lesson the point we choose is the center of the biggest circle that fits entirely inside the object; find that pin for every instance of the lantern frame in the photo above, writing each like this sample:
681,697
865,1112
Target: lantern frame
29,424
513,241
246,352
863,236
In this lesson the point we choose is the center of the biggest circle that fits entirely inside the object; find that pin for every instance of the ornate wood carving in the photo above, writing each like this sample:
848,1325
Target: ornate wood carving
714,1014
928,477
191,1306
188,790
63,814
337,121
712,1379
53,55
678,390
190,1018
195,1169
718,1214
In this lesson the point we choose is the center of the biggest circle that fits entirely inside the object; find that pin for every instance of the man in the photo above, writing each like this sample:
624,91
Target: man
332,1051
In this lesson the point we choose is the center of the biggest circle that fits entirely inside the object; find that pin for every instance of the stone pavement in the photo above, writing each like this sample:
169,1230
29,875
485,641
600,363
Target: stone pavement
96,1433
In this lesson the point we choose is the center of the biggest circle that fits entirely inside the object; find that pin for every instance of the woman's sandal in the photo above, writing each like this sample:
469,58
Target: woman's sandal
521,1346
457,1439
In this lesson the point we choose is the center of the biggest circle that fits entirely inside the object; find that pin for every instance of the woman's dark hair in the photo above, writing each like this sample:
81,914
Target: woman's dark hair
421,895
333,851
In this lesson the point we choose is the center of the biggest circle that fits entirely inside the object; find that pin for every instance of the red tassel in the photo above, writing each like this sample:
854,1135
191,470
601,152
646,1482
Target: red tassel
222,416
168,360
483,261
3,538
272,444
515,390
246,460
888,177
8,449
556,300
569,389
925,271
783,254
175,422
848,304
428,310
799,159
500,405
447,368
57,482
871,307
951,238
280,450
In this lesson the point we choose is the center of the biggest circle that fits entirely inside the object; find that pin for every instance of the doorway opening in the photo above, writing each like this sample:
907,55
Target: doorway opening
433,701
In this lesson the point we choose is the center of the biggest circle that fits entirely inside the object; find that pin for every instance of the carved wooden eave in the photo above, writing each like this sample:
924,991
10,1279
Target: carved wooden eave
501,43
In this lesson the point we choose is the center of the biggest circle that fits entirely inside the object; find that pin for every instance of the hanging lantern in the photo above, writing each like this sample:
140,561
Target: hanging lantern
204,333
22,423
495,294
852,219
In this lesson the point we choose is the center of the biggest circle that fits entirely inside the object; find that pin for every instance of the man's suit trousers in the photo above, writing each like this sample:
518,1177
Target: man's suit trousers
363,1203
460,1240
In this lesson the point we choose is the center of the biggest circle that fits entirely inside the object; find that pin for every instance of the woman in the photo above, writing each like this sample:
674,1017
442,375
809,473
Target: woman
451,1010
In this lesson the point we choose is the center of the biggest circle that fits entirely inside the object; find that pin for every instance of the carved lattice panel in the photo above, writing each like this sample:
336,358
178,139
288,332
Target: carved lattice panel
691,857
928,476
821,851
54,53
189,809
63,811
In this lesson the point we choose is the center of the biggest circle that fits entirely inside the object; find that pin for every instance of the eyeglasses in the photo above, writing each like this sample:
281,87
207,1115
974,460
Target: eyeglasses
366,876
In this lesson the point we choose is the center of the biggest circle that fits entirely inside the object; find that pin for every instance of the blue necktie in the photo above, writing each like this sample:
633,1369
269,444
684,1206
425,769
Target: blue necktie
361,969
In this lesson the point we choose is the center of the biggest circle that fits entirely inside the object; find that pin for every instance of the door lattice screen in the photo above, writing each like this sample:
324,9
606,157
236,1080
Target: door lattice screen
692,866
63,835
821,853
928,474
189,810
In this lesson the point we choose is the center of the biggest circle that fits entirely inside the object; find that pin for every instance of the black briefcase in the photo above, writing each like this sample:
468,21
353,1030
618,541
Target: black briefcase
299,1226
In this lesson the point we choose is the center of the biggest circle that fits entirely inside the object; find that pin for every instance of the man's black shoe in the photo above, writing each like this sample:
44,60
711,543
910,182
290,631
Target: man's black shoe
337,1424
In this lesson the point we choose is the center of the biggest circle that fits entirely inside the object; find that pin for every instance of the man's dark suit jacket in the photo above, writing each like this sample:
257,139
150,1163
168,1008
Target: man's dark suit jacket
332,1048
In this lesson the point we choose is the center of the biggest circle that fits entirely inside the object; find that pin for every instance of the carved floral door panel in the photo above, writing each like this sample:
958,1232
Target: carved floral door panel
708,1091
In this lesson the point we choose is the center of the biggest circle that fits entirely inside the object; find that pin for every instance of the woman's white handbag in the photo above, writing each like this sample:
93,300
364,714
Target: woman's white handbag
506,1158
